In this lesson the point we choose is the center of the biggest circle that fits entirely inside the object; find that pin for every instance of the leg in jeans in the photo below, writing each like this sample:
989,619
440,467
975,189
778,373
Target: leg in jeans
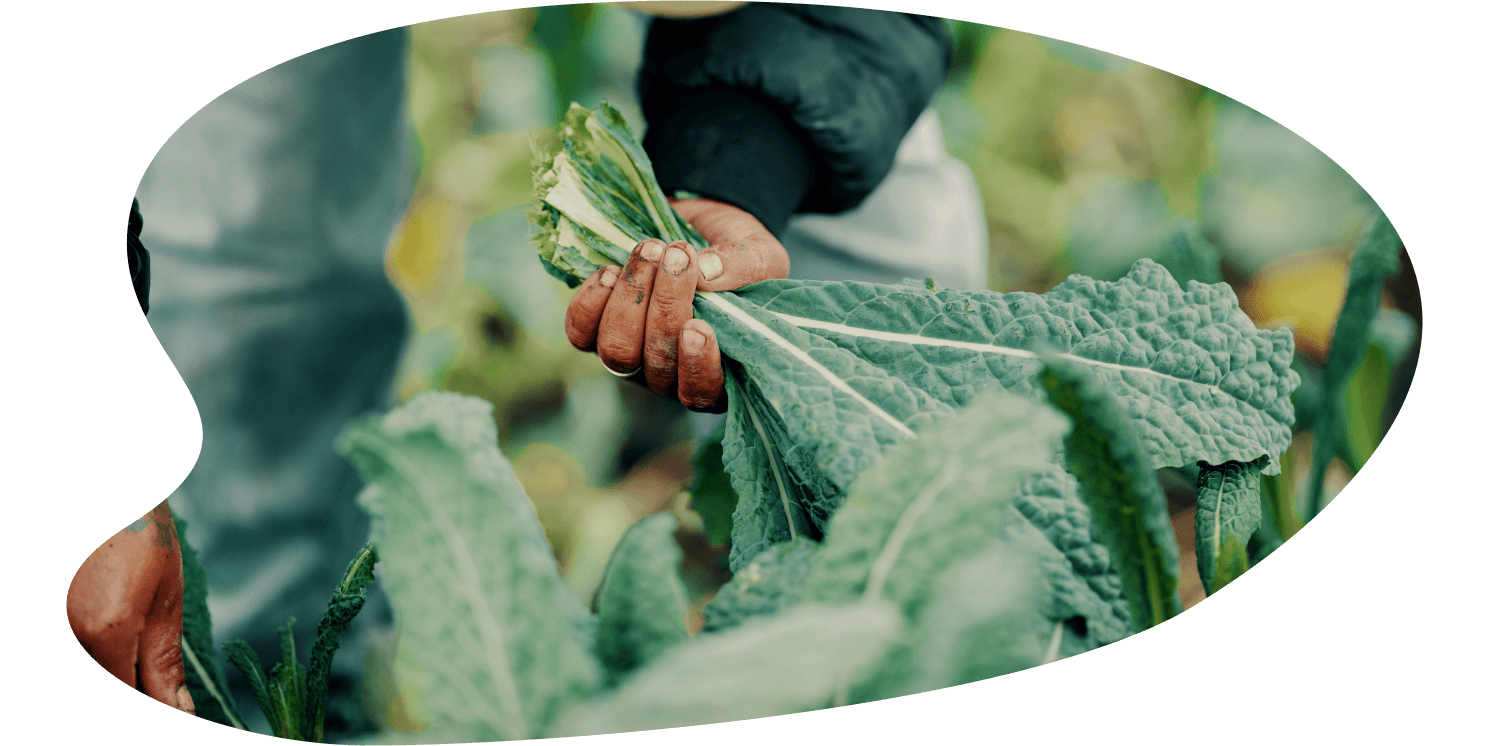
267,215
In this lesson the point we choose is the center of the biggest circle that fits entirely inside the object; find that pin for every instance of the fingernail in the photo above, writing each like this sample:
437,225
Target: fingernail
607,277
651,250
710,266
183,699
676,261
692,342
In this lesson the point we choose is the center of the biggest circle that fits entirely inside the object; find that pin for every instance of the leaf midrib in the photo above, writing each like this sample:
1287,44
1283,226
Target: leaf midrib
924,341
502,677
758,327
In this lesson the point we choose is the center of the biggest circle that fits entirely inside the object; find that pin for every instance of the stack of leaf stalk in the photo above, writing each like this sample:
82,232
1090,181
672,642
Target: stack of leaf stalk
824,377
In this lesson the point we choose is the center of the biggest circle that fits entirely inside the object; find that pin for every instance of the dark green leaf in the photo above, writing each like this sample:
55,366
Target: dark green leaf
246,661
1083,589
769,508
1391,336
769,584
1127,505
1228,513
1187,254
345,603
287,686
713,496
203,674
642,604
1376,258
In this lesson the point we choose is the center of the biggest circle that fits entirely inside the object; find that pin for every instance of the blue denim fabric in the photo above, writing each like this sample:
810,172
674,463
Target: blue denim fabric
267,215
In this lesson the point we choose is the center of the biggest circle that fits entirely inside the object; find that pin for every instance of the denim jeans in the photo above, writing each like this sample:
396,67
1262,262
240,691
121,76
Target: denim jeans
267,215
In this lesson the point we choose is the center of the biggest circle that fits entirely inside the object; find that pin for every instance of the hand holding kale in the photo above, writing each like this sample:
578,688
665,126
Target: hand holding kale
639,318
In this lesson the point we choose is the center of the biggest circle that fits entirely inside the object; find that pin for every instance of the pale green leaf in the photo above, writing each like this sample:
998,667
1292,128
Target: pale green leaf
490,644
984,621
772,665
936,500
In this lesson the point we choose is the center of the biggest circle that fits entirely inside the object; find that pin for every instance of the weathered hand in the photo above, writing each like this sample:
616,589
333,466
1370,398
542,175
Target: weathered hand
124,605
639,317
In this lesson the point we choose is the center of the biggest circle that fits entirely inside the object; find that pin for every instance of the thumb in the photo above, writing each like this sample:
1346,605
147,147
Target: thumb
732,265
743,250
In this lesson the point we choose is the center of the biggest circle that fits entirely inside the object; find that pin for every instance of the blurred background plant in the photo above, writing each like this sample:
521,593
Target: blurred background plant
1082,159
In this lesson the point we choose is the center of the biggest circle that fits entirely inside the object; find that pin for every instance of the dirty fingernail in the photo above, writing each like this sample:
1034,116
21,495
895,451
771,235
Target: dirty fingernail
692,342
607,277
651,250
710,266
676,261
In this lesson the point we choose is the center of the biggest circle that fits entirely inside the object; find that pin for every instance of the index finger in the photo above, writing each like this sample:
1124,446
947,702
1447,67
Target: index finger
581,323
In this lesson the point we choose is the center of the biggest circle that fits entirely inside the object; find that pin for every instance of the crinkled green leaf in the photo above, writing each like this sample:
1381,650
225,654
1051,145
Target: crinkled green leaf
1376,258
1200,381
490,643
346,602
768,510
713,495
984,621
769,584
831,376
1127,505
936,500
1083,589
203,674
773,665
642,604
1228,512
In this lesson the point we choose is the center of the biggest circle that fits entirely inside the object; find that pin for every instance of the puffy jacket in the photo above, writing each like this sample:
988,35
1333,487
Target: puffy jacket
779,109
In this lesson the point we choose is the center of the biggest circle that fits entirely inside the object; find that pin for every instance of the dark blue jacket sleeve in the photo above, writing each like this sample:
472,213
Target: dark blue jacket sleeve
139,261
780,109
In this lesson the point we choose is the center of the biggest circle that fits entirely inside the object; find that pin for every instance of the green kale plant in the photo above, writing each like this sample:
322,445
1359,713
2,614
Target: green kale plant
920,487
